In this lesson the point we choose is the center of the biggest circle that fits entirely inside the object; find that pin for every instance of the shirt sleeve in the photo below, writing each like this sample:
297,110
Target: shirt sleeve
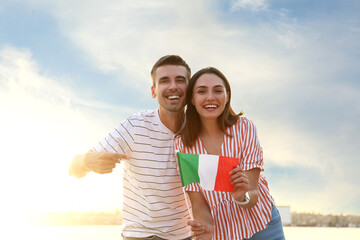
119,140
252,154
178,147
193,187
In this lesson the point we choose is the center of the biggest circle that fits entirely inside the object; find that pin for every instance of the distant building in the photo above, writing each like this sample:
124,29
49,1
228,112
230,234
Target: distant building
285,215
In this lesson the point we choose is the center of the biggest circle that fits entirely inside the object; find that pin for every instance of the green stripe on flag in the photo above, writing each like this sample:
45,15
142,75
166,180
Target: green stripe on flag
188,165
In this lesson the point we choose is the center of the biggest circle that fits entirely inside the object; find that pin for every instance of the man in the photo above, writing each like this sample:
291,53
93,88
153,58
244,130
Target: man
154,205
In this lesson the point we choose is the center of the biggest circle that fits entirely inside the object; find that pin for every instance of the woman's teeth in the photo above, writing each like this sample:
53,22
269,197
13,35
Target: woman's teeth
210,106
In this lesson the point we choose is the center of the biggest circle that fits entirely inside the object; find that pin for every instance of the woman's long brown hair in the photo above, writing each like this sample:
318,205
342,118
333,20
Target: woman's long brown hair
192,127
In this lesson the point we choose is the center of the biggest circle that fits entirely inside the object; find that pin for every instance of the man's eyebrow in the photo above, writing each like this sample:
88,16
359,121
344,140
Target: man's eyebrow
165,77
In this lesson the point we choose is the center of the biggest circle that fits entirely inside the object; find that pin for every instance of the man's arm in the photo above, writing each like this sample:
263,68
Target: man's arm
98,162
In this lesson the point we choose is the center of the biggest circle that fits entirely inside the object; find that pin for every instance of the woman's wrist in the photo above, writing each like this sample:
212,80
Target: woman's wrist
245,200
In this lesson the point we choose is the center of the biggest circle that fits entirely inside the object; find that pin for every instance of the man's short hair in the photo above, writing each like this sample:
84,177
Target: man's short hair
169,60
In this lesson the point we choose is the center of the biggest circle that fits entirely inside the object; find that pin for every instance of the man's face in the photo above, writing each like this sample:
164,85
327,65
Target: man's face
170,87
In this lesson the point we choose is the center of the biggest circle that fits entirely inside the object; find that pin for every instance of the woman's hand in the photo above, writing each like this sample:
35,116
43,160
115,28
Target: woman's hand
241,184
201,230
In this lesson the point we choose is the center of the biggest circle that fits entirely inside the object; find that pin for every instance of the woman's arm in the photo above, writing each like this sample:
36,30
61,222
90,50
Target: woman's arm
245,181
202,225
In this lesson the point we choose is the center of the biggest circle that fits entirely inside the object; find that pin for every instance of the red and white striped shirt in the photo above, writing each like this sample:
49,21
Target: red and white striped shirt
231,221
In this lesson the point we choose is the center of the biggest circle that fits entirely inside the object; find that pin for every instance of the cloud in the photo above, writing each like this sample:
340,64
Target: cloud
121,37
43,126
253,5
295,77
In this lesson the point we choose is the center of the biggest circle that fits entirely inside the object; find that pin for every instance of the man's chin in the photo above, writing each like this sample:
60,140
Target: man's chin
175,109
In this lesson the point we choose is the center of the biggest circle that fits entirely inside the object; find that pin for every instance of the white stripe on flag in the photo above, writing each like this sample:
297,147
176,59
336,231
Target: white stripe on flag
208,166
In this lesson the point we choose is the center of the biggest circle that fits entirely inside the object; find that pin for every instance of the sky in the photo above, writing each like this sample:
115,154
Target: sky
70,71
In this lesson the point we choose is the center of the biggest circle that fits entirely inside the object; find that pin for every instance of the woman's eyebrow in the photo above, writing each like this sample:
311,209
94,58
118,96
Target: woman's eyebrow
216,86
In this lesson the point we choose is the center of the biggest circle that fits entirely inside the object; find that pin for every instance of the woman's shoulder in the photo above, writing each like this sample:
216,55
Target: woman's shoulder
177,138
244,121
243,125
178,143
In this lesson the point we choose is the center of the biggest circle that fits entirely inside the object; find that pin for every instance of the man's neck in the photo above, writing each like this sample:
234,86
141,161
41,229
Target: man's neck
172,120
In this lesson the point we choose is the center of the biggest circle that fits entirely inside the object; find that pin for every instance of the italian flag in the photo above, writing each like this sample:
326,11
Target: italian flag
210,171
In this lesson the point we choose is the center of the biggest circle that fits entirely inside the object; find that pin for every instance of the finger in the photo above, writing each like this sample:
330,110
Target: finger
110,157
236,170
123,156
194,223
237,178
119,156
239,181
197,233
238,175
108,164
197,229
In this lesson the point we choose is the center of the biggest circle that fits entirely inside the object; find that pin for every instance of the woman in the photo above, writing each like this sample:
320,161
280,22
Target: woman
212,127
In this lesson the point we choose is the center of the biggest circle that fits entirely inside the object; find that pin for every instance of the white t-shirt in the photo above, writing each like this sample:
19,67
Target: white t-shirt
154,202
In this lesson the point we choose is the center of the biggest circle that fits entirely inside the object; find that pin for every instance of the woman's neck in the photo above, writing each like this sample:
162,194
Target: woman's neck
211,137
209,127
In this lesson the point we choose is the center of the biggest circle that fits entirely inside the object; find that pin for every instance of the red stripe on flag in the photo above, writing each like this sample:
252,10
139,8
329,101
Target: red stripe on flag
222,182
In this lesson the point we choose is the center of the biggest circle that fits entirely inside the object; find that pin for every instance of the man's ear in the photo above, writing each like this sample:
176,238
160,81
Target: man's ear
153,94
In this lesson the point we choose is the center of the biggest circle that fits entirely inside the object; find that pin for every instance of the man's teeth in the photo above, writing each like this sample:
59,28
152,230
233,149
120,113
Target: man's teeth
210,106
173,97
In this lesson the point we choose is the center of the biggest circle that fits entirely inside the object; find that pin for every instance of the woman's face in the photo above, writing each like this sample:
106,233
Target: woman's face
209,96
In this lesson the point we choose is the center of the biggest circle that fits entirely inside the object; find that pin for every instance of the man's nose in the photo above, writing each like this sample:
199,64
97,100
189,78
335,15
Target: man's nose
173,85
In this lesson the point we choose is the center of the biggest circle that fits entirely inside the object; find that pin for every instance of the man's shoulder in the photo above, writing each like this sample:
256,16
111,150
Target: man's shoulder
147,118
149,115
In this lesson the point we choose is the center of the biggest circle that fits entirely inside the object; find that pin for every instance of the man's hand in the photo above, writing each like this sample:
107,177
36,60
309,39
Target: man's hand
98,162
102,162
200,230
